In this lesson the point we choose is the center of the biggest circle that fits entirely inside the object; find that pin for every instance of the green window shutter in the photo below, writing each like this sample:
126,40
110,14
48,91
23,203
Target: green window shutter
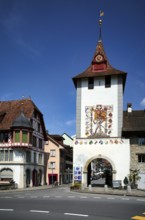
17,136
24,136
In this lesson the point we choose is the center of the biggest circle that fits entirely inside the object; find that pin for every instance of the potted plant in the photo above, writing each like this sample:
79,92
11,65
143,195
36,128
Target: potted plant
133,178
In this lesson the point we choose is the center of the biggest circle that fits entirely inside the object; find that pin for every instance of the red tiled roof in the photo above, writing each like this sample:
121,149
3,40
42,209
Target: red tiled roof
10,110
99,71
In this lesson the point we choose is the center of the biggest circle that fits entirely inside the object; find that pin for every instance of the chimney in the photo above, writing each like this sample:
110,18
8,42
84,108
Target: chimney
129,107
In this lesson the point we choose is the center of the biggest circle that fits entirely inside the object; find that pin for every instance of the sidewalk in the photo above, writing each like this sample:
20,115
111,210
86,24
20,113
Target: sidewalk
95,190
111,191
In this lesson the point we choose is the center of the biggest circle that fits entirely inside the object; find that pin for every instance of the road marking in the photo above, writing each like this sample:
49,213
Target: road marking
110,198
40,211
83,197
74,214
141,200
9,210
71,196
97,197
125,198
138,217
46,196
7,197
20,197
33,196
58,196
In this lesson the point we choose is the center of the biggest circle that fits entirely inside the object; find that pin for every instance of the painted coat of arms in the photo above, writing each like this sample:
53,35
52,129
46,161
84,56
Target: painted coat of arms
98,120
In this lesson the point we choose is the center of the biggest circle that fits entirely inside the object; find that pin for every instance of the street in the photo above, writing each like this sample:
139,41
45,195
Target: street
60,203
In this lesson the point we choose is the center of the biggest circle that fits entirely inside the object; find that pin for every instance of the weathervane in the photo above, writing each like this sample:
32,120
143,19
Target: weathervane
100,23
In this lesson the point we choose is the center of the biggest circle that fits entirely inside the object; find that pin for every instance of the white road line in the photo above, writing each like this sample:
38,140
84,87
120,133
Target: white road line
40,211
97,197
33,196
74,214
110,198
46,196
125,198
58,196
9,210
143,200
71,196
20,197
7,197
83,197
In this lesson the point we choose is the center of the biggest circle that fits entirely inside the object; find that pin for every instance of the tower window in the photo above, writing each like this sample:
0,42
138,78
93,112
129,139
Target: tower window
107,81
91,83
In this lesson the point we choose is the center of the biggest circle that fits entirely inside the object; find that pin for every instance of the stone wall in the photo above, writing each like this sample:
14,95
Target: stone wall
134,164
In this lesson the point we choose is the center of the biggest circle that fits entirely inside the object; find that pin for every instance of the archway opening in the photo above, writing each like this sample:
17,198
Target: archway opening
35,178
99,172
28,177
6,174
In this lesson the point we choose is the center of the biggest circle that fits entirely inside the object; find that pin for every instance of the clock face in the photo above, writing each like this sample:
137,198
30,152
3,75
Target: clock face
99,58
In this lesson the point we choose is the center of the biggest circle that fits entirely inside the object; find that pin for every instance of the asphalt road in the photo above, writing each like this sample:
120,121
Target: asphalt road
59,203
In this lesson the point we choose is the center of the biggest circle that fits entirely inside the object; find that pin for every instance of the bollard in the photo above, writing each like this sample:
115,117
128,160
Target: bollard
106,188
83,187
90,187
128,189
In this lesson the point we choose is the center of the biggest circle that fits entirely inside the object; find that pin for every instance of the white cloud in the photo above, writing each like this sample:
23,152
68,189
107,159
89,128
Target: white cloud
70,122
143,102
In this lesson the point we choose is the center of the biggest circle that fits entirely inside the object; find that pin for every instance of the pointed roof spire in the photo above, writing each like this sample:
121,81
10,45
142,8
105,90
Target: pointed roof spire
100,65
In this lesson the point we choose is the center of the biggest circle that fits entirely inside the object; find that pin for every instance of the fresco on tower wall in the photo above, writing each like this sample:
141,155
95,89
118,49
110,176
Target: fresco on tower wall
98,121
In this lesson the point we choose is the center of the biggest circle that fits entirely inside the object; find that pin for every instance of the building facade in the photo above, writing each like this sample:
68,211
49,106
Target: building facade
22,138
99,148
58,160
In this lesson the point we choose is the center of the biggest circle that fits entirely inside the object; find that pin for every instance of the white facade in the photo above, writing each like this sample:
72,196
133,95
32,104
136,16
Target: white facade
99,120
100,96
114,150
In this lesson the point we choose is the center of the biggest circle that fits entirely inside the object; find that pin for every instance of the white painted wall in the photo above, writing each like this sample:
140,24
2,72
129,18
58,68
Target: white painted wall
117,154
101,95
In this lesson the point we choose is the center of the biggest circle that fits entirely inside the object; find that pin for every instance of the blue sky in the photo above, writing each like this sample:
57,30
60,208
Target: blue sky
44,43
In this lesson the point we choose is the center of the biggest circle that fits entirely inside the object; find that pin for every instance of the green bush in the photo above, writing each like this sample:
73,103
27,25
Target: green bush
75,186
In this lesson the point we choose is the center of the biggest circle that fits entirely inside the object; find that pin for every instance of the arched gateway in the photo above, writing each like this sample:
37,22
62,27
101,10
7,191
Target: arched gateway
99,171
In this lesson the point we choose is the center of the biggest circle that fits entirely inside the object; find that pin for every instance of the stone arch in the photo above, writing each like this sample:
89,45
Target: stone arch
6,173
86,165
99,157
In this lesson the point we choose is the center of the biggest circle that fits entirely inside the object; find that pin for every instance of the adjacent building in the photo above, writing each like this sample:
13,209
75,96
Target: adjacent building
22,139
58,160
